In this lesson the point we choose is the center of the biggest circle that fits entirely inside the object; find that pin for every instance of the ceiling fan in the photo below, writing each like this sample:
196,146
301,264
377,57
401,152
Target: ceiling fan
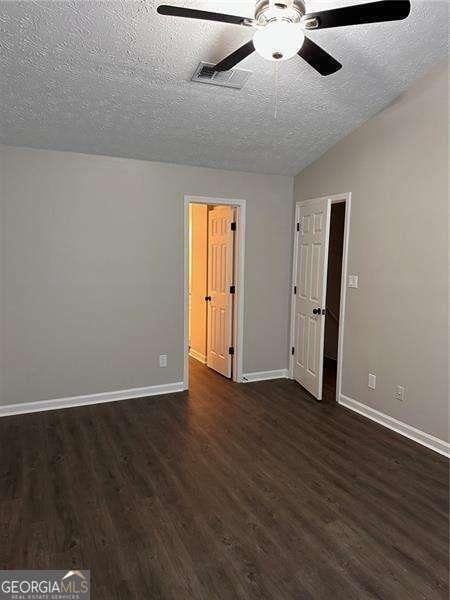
280,26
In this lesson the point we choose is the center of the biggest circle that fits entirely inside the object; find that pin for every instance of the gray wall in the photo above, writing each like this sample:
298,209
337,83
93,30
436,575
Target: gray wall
92,271
396,166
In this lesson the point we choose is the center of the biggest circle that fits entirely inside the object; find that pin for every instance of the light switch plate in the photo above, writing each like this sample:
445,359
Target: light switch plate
353,281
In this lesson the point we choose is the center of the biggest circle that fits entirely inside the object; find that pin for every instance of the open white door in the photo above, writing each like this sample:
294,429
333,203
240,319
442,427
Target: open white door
313,218
220,279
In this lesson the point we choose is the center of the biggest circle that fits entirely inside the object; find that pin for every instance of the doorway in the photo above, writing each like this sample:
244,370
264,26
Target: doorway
319,293
214,251
333,300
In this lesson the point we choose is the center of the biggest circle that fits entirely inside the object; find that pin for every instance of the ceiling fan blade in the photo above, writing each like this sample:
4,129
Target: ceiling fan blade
233,59
320,60
373,12
190,13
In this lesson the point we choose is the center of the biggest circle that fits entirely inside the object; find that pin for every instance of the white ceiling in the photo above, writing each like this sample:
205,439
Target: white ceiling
113,78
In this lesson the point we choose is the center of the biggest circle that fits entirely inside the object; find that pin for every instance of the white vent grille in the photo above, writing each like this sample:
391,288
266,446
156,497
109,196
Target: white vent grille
235,78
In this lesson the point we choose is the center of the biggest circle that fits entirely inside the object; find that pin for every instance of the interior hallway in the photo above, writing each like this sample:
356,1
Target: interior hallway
228,491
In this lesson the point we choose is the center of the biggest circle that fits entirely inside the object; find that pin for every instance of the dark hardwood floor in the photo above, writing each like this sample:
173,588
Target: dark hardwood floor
228,492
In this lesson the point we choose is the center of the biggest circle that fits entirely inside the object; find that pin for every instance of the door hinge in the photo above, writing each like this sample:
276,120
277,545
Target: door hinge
233,226
293,351
298,226
232,289
231,351
295,289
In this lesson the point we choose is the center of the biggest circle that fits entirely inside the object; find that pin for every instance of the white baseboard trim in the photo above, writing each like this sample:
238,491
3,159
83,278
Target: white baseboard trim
408,431
58,403
198,356
265,375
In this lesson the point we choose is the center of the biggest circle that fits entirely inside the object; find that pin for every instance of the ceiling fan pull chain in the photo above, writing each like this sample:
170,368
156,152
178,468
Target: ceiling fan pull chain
276,66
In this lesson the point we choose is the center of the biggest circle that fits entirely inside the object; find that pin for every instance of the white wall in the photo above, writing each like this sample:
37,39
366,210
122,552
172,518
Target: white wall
396,166
92,271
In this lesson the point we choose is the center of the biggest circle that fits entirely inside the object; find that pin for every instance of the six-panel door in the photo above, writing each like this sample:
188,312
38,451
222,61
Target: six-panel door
220,278
310,278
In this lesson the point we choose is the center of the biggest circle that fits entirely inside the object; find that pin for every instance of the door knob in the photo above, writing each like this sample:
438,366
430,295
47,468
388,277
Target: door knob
207,298
316,311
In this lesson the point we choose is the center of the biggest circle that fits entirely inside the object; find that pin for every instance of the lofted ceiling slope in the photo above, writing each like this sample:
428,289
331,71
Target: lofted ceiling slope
113,77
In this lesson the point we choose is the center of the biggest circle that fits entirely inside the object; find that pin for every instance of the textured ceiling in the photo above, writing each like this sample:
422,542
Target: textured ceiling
113,78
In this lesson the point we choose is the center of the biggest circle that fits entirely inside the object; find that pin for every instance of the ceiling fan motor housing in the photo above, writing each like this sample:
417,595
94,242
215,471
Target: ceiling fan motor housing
287,10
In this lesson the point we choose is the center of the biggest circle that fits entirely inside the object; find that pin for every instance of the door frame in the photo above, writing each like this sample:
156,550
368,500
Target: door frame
239,262
335,199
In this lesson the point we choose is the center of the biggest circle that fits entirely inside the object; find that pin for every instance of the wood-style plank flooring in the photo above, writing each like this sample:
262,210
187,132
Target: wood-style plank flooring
229,491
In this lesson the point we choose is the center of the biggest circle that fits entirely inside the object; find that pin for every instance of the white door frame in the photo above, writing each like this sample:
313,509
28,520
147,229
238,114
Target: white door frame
238,318
335,199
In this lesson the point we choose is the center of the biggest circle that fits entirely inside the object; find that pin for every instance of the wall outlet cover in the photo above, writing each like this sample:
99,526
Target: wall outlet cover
372,381
163,360
400,392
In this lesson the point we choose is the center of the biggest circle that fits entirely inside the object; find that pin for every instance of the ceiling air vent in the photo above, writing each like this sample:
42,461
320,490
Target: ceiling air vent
235,78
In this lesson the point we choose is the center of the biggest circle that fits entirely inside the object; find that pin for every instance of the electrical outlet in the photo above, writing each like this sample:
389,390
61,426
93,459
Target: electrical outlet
400,392
372,381
163,360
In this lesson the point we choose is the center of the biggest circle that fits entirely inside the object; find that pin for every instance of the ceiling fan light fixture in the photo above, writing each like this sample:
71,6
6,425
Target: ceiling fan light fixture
279,40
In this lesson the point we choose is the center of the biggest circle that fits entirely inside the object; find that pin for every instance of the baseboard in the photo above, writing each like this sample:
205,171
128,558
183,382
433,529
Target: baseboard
198,356
265,375
408,431
42,405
